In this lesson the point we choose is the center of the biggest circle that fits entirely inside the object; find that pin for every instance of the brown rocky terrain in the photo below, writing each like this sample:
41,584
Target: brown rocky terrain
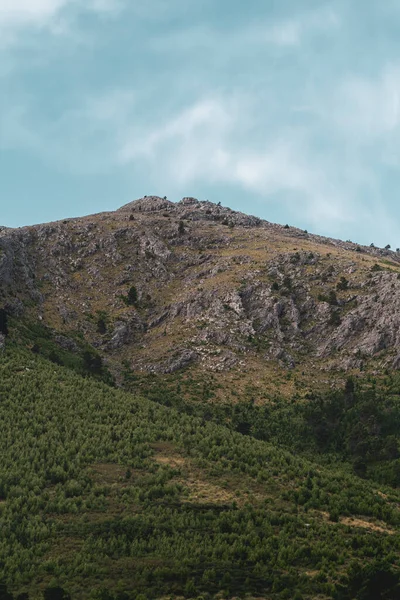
192,286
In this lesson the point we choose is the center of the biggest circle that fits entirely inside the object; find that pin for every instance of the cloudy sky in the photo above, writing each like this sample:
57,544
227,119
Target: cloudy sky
286,109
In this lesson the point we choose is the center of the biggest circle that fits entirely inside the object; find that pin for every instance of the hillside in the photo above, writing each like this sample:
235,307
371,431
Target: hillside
197,403
103,492
211,289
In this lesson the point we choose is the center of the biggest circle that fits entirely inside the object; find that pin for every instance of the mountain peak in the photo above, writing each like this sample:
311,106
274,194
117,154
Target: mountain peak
156,203
192,209
148,204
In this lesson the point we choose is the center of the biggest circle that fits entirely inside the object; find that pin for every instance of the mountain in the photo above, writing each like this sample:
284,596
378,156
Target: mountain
212,289
197,403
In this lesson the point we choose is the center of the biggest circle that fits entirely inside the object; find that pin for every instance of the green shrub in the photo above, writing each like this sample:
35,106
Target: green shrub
343,284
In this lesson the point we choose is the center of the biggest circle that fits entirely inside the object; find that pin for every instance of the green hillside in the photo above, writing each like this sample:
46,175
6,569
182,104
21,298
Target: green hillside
107,494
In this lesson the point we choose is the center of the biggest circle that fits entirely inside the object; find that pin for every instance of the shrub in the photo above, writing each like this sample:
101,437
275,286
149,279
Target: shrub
343,284
376,267
92,362
3,322
132,296
101,322
334,515
335,318
331,298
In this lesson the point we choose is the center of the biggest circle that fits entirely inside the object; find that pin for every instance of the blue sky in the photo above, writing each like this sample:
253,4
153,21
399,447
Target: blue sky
286,109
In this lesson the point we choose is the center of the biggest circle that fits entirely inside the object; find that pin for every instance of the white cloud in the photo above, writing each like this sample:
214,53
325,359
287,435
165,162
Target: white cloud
206,142
363,115
284,34
18,16
207,118
203,142
291,32
25,12
369,106
240,40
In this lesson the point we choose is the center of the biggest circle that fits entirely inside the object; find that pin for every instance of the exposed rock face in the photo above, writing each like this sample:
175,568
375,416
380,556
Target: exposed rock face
180,360
374,323
66,343
6,261
126,332
214,289
15,307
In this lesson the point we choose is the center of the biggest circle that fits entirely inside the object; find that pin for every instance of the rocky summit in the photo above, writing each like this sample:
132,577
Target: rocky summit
163,286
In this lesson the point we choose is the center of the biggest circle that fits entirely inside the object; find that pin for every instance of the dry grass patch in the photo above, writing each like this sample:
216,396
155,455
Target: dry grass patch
166,454
64,548
311,573
204,491
199,488
107,473
382,495
354,522
171,461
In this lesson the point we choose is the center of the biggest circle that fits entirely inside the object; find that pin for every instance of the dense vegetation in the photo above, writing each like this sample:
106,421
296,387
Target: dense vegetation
358,425
110,495
72,352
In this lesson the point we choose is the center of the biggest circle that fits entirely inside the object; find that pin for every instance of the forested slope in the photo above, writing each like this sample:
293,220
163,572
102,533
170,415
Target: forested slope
111,495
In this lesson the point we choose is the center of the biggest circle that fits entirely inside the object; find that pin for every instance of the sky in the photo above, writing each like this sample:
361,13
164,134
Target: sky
286,109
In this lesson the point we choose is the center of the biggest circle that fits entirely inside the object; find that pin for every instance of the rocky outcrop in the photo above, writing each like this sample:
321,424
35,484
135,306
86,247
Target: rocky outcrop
180,361
373,325
149,204
126,332
66,343
191,209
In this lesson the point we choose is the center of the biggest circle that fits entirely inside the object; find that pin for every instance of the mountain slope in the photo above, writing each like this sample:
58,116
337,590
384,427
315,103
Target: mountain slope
252,449
102,492
211,289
